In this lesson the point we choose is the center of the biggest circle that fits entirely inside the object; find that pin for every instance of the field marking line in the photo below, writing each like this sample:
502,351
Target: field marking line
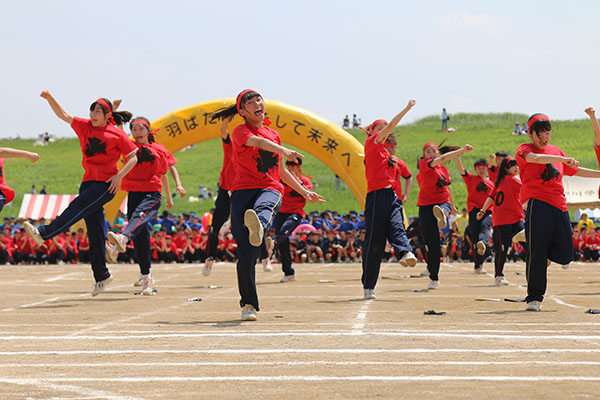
50,384
359,321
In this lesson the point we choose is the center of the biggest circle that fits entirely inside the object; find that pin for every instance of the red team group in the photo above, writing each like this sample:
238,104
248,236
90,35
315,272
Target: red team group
262,187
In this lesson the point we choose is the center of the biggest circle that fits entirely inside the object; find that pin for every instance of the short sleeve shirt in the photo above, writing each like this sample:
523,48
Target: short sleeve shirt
152,163
433,183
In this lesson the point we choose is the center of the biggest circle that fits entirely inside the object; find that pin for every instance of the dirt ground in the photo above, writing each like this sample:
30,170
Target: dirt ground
315,338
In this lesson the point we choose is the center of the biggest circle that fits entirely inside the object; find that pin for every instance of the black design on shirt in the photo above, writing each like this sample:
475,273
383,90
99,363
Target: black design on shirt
549,173
266,160
95,146
441,182
1,172
145,155
481,187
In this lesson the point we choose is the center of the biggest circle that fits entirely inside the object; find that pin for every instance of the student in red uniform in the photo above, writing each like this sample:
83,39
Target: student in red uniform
402,171
290,215
144,184
547,224
83,246
493,169
508,216
478,189
383,210
578,244
223,202
435,201
102,144
256,189
6,193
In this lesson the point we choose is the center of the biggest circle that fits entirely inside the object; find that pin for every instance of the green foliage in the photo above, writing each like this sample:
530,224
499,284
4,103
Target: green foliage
60,162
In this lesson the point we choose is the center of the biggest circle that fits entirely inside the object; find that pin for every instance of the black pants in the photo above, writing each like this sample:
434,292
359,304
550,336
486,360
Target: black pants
284,225
222,211
141,208
502,242
431,237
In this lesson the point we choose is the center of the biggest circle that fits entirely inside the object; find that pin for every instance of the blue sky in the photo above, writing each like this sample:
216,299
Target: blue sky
331,57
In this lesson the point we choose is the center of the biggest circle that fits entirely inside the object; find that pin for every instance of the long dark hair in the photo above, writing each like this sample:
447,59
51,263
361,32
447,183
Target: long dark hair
503,169
441,149
120,117
226,112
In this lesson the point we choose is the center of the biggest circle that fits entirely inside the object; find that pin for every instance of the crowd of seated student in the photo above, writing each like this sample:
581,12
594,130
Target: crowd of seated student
586,245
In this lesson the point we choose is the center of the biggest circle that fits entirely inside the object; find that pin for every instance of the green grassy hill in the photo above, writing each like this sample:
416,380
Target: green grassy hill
60,162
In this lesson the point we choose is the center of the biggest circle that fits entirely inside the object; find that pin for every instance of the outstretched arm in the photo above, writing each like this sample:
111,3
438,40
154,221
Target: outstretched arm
289,179
7,152
266,144
592,114
385,132
587,173
58,110
549,159
178,186
165,184
459,165
450,155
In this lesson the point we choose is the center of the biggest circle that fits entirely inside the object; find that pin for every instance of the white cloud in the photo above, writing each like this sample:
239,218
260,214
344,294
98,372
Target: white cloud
482,22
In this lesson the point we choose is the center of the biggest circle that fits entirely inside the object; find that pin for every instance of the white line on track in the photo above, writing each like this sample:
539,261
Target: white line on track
49,385
359,322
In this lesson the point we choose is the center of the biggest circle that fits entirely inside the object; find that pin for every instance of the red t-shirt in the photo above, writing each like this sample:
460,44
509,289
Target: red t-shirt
255,168
543,181
8,192
433,183
378,172
101,148
401,171
592,243
578,243
597,150
228,170
478,190
180,241
83,242
507,201
493,173
152,163
293,202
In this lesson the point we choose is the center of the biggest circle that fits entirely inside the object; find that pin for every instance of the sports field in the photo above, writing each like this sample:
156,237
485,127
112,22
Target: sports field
314,339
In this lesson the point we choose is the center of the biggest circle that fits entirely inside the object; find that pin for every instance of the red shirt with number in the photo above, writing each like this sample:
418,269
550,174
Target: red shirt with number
543,181
101,148
508,207
433,183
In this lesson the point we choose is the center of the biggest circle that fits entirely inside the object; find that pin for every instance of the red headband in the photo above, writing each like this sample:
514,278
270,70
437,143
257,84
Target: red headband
480,163
146,124
429,144
104,104
534,119
266,121
370,129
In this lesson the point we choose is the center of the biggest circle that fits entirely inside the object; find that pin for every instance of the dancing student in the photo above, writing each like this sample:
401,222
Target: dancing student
6,193
402,171
144,185
290,215
223,201
435,201
383,210
102,144
508,216
256,189
547,225
478,189
493,169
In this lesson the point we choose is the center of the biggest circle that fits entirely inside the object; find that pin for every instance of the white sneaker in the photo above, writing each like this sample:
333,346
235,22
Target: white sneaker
248,313
112,253
519,236
34,233
370,294
438,213
288,278
424,273
100,286
255,229
147,286
501,281
481,248
565,266
140,281
208,266
118,240
479,271
433,284
534,306
266,262
408,260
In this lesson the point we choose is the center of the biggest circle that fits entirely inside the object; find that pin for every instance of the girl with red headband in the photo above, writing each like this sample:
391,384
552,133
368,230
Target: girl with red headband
507,218
6,193
547,224
478,189
435,200
383,209
144,184
256,189
102,144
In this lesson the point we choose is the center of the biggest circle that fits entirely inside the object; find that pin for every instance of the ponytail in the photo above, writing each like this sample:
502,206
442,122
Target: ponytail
144,121
502,170
118,117
241,99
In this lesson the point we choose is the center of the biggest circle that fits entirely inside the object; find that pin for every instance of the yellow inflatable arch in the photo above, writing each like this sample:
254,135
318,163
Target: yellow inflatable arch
298,127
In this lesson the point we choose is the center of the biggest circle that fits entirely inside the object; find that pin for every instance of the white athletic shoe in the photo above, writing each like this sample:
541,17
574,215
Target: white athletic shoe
370,294
248,313
208,266
501,281
111,253
140,281
534,306
481,248
408,260
479,271
100,286
438,213
147,286
519,236
118,240
288,278
424,273
433,284
34,233
255,229
267,267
